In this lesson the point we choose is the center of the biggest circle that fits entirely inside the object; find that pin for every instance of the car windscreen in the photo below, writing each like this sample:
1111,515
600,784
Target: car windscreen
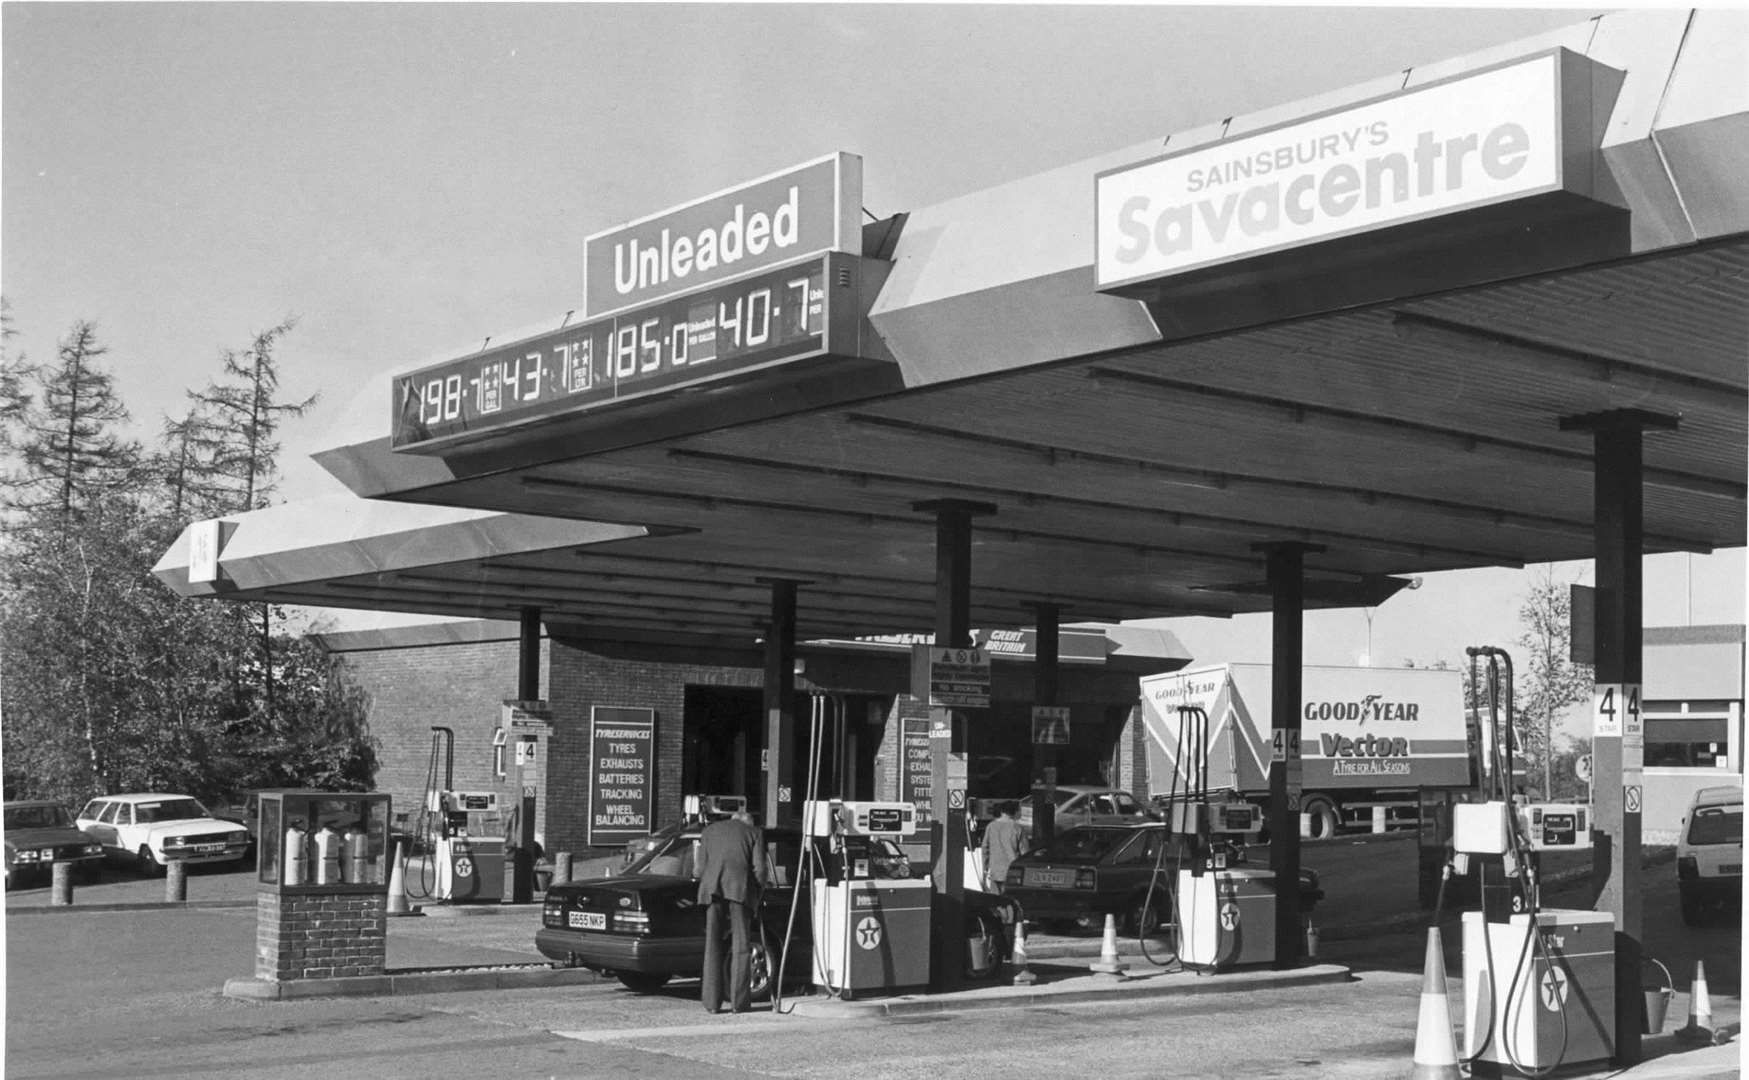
1086,844
147,813
1716,825
36,817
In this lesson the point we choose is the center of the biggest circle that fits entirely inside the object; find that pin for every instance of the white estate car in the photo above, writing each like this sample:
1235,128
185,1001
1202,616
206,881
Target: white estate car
1709,854
153,827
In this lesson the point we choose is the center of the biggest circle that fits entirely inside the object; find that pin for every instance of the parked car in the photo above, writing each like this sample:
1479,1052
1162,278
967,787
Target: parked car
645,927
41,833
1089,804
1086,873
1709,853
151,828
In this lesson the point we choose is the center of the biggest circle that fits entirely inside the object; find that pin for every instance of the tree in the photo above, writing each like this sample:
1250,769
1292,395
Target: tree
69,443
1548,681
108,680
242,438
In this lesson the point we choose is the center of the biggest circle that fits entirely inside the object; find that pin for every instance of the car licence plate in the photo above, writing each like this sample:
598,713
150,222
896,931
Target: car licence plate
205,848
1045,877
588,920
1731,868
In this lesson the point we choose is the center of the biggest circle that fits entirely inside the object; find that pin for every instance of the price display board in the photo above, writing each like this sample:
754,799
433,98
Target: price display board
622,773
774,317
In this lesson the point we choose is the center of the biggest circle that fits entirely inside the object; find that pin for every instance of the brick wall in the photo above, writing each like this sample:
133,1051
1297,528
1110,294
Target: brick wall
583,680
461,686
320,935
461,682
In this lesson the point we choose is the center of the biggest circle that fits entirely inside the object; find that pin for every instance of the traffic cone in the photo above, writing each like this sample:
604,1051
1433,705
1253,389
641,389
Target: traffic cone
1435,1045
1700,1009
1022,977
397,883
1108,963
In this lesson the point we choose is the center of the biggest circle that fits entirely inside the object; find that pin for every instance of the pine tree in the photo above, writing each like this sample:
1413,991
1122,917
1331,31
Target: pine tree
242,440
70,451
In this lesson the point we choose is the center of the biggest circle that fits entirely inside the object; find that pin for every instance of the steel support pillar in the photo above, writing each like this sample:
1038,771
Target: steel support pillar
520,886
1047,633
947,831
782,809
1618,741
1286,567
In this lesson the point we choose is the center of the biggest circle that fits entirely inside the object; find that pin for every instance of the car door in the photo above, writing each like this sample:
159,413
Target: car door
98,821
123,821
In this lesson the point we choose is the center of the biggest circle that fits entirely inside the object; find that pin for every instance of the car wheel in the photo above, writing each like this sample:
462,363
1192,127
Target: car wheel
1323,819
1144,916
149,864
1692,908
641,982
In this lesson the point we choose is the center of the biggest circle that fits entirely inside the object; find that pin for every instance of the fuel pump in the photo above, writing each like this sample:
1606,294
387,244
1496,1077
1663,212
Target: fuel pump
871,919
1226,911
469,847
1539,983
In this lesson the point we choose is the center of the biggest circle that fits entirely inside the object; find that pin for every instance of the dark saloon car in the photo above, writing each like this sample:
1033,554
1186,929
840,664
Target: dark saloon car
39,834
644,927
1087,873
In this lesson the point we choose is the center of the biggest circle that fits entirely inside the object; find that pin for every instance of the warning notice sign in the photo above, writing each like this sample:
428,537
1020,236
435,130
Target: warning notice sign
954,678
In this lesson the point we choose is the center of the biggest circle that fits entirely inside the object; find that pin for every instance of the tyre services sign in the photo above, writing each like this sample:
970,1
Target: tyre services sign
1476,140
622,773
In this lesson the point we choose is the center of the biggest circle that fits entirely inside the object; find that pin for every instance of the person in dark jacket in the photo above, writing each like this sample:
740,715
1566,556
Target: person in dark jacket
732,870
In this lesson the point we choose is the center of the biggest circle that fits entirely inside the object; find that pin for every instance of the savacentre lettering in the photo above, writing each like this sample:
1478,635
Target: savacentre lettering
1316,192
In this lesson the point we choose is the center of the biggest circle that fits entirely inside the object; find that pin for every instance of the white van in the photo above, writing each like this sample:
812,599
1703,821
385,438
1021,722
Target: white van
1709,853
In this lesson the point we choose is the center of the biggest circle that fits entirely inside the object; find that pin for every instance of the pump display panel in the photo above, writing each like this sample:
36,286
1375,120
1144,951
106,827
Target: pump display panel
774,317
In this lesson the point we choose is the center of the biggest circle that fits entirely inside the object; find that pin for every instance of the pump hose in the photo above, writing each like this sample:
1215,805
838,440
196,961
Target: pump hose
815,722
1154,883
423,832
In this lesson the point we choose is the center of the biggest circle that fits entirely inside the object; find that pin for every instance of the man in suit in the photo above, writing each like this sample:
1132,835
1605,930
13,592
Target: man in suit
732,869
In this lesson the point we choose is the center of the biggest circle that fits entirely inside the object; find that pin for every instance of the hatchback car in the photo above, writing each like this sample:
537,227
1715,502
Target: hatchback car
39,834
645,927
1129,871
149,829
1709,853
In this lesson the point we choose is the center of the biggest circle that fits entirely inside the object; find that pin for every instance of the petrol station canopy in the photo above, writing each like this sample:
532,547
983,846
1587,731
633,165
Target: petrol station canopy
1136,392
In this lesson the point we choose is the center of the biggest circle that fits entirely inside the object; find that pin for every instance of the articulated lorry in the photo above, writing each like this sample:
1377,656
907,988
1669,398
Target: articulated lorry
1369,737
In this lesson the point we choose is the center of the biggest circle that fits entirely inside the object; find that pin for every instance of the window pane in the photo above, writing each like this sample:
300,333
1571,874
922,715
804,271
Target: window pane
1713,826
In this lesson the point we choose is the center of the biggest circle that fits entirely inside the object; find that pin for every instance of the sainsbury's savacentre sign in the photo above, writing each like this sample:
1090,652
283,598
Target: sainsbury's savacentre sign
1455,145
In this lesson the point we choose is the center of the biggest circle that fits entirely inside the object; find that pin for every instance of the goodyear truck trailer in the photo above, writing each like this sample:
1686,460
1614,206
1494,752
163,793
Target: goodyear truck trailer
1369,737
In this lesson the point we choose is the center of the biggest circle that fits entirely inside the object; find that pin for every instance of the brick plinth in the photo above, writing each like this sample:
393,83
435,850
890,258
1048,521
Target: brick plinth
305,935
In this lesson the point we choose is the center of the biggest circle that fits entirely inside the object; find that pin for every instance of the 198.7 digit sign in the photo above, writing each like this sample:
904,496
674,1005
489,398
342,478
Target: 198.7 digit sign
778,316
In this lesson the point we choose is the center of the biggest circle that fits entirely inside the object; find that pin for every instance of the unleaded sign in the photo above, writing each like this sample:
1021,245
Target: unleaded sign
622,773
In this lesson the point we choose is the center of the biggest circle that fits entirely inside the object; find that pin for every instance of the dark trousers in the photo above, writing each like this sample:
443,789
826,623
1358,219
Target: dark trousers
728,924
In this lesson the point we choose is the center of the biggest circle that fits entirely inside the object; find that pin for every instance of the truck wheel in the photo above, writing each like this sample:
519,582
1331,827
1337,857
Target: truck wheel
1322,814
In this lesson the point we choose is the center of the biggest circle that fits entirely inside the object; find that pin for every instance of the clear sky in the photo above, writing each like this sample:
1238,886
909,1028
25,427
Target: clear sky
408,179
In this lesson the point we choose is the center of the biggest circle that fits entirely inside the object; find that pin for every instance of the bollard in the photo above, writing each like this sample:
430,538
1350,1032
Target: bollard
561,867
61,888
175,881
1378,819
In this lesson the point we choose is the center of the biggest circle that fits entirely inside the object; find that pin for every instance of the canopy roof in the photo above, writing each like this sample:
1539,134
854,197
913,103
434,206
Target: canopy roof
1403,411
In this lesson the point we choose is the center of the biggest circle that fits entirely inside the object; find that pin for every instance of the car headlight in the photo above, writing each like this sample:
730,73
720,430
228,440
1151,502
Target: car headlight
26,856
175,841
93,849
46,854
